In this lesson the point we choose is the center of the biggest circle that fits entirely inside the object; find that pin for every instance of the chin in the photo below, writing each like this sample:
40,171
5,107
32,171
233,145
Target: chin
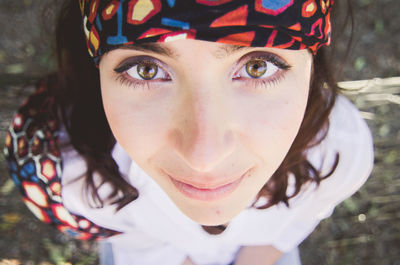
211,220
212,214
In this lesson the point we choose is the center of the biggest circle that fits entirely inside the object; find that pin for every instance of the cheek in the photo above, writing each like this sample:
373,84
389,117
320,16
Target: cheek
273,122
139,128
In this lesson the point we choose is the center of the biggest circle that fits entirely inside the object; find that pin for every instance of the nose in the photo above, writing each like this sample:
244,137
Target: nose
203,135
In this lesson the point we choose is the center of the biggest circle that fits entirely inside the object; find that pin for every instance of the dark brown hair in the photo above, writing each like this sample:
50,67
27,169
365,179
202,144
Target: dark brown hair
76,88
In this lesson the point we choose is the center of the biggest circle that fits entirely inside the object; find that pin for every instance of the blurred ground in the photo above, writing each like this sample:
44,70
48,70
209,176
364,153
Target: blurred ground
365,229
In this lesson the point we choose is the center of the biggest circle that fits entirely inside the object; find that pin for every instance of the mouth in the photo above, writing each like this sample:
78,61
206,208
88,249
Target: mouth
207,194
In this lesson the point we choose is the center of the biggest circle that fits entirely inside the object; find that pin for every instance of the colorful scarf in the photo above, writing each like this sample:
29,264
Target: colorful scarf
35,165
286,24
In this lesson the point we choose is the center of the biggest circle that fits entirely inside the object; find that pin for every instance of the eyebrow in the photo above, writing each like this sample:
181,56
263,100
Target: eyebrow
222,52
151,47
227,50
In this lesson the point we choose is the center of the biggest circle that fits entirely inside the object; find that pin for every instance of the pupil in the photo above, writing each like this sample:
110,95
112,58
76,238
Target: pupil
147,70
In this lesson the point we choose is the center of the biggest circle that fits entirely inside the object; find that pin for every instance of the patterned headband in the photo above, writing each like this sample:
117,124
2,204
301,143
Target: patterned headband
286,24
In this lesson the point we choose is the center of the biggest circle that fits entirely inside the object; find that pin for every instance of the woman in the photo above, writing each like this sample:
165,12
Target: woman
190,132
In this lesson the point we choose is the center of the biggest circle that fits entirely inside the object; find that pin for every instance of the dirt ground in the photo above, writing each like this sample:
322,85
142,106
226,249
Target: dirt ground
364,229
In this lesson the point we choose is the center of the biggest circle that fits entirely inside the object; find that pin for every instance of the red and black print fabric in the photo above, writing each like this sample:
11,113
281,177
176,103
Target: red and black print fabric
287,24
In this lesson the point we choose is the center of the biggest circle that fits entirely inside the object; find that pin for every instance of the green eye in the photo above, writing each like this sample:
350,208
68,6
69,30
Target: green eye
147,70
256,68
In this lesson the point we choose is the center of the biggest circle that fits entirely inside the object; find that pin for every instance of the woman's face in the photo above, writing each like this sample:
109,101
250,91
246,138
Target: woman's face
209,122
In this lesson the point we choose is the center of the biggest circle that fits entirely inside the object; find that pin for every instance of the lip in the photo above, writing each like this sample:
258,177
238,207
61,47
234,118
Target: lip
207,194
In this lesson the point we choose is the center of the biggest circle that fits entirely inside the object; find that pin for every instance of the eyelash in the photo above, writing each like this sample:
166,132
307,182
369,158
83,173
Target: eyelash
269,58
122,75
123,78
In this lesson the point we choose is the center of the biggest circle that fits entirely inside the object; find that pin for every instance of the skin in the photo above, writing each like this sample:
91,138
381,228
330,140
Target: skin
203,126
204,121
